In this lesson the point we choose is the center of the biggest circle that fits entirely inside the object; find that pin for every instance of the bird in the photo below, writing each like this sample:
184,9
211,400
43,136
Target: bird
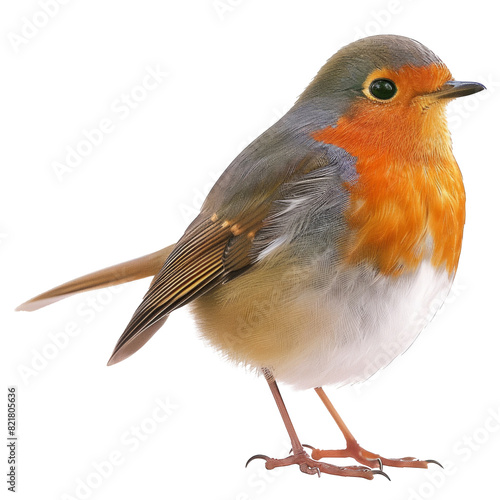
319,252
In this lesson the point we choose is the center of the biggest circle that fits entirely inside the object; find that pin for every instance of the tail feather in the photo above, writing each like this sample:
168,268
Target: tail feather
132,270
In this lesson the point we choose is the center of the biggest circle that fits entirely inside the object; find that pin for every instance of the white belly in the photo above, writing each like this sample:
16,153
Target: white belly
375,319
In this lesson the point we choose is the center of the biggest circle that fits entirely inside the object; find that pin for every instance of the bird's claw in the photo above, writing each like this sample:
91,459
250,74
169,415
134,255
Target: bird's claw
353,450
309,466
381,472
255,457
434,462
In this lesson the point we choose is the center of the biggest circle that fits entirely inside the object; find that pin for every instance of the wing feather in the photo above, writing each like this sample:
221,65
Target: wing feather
194,266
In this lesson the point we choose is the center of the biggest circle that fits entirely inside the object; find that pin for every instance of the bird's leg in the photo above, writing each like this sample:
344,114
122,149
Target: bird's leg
299,455
354,450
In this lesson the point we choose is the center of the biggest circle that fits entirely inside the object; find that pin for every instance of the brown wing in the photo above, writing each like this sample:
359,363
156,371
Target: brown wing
211,252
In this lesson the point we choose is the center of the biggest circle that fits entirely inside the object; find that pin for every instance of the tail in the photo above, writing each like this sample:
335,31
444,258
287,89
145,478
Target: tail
131,270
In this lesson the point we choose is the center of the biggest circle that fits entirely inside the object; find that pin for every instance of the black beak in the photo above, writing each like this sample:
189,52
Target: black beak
453,89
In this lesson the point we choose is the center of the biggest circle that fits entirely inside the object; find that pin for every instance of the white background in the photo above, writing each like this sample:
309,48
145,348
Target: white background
233,68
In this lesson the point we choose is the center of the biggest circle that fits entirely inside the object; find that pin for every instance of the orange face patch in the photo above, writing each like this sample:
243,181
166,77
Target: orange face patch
409,198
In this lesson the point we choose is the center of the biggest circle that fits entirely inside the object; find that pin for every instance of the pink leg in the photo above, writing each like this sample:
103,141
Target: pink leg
299,456
354,450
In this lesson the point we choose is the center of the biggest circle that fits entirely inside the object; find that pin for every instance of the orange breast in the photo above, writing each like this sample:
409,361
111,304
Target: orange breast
408,201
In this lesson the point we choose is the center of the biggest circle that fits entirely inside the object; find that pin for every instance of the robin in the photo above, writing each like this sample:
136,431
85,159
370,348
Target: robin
317,254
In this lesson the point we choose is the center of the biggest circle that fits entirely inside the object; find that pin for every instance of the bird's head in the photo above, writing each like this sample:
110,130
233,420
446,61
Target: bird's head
387,92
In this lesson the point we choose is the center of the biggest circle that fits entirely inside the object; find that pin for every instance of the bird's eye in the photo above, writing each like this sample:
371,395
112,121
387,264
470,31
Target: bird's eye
383,89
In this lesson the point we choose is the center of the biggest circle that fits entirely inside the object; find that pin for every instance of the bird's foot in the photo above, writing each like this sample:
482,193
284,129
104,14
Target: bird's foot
309,466
355,451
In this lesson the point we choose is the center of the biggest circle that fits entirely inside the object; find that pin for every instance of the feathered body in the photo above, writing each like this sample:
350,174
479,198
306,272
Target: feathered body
320,249
357,244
